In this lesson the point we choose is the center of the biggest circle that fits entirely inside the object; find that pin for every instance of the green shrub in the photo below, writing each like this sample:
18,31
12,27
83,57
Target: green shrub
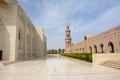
81,56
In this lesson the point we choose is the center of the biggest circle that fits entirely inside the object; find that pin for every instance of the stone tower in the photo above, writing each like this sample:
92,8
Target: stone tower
67,40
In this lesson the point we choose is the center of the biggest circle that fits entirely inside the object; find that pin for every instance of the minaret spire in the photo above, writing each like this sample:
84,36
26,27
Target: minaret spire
67,40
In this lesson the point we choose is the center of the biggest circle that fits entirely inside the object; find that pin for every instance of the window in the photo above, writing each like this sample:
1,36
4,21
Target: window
19,35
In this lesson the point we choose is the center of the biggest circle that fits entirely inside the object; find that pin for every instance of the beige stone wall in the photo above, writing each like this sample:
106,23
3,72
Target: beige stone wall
41,42
100,58
8,33
18,36
24,35
93,44
33,39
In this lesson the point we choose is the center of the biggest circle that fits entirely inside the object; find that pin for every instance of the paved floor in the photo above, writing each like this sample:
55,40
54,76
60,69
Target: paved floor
57,68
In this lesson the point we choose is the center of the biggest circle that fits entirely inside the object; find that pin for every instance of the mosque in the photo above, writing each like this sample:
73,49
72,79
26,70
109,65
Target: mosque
107,42
19,39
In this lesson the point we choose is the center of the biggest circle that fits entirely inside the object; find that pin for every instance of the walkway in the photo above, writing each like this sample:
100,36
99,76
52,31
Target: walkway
57,68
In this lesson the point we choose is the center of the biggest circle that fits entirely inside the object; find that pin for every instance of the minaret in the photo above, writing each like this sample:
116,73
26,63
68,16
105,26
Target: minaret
67,40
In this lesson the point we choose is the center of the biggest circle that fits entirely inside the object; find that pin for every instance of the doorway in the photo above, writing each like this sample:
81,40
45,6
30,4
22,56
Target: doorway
0,54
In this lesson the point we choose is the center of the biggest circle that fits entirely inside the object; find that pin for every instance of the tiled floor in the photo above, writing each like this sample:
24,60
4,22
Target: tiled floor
57,68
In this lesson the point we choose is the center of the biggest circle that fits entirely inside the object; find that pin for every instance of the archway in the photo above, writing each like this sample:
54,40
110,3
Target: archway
95,47
1,38
111,47
90,49
20,38
102,48
0,54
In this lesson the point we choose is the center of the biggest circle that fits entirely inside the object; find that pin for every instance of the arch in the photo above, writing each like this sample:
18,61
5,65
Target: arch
83,50
1,54
102,48
20,38
80,50
1,37
19,34
90,49
85,38
95,47
111,47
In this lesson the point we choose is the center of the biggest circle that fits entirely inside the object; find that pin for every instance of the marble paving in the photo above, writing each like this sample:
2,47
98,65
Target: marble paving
55,67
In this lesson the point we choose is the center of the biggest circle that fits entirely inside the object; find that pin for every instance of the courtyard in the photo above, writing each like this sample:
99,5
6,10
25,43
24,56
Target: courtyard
56,67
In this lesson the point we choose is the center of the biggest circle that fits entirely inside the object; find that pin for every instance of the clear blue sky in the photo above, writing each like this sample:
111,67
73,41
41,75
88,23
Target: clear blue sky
83,16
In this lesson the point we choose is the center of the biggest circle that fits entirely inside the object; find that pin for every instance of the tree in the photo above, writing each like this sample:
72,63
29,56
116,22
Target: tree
63,50
59,50
55,51
52,51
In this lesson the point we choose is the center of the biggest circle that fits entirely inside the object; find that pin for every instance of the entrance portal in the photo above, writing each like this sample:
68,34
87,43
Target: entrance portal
0,54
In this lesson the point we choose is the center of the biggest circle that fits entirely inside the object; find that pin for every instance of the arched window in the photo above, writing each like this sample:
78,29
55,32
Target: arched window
95,47
80,50
19,34
83,50
85,38
102,48
111,47
1,43
90,49
20,38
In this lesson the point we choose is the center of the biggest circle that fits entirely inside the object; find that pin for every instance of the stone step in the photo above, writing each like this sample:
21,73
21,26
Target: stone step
9,62
4,63
112,64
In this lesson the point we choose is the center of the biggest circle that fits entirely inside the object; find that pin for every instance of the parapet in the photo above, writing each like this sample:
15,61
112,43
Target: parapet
88,37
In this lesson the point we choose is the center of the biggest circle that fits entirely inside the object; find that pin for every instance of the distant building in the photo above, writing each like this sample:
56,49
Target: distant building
19,39
106,42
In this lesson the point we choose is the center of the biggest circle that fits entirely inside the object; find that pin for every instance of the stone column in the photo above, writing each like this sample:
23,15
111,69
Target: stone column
12,34
25,41
107,50
24,35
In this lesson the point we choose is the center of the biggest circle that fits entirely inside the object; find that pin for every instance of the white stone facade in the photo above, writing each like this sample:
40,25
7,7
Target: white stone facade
19,39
